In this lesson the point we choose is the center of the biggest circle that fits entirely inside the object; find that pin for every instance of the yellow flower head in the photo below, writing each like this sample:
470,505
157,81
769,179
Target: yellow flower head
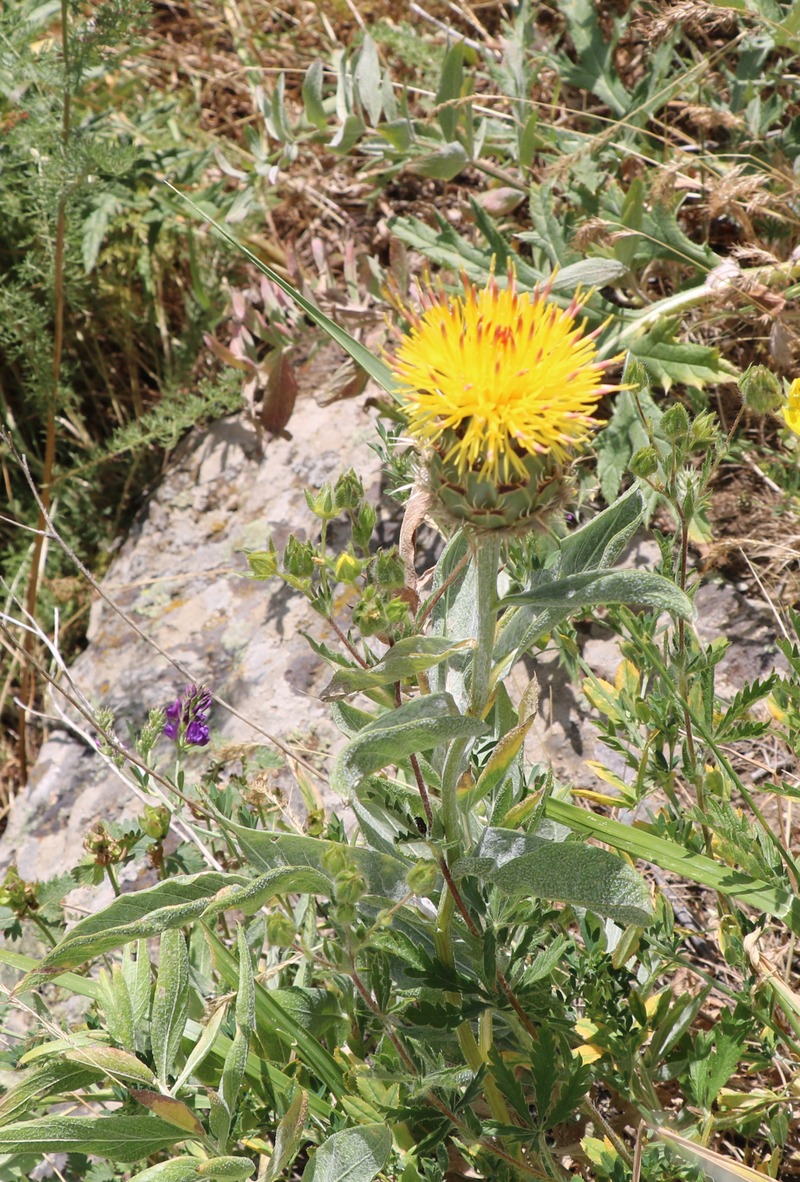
497,375
791,412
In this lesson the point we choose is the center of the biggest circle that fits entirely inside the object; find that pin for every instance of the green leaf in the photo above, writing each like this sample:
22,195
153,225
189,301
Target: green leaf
168,1109
280,881
150,912
236,1169
271,1015
354,1155
385,874
179,1169
405,659
418,725
367,75
113,1062
566,872
669,361
587,273
624,434
637,842
170,1002
44,1082
288,1136
570,595
378,370
449,91
599,543
596,69
203,1046
442,165
312,95
121,1138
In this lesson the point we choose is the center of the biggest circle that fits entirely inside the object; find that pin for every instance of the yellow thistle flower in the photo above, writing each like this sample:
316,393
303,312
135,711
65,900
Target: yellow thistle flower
496,376
791,412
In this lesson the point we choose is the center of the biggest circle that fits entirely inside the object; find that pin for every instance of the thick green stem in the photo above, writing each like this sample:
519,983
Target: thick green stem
487,560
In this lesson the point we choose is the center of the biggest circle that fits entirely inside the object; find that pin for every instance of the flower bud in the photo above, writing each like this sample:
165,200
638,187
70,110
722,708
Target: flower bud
363,526
335,859
761,390
389,571
263,563
348,492
644,462
298,559
281,930
675,423
155,821
348,568
322,503
421,878
350,885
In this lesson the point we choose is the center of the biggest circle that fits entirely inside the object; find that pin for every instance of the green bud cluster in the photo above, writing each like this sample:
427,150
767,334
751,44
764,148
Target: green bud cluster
761,390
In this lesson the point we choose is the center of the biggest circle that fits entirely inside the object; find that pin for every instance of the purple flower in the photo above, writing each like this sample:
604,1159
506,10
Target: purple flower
197,733
187,716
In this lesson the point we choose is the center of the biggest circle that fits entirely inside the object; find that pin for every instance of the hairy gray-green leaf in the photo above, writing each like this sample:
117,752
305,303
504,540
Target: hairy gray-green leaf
51,1079
249,897
169,904
178,1169
288,1136
418,725
354,1155
572,594
227,1169
121,1138
561,871
367,75
170,1002
443,165
312,94
406,658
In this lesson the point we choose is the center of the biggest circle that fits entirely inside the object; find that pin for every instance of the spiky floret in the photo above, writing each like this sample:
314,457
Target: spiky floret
497,376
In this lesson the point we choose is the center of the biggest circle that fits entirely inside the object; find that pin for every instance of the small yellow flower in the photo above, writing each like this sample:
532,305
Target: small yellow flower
498,375
791,412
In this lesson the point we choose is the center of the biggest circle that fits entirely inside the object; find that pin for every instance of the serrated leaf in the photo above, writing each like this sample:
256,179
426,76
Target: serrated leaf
595,70
354,1155
418,725
405,659
443,165
170,1002
121,1138
668,360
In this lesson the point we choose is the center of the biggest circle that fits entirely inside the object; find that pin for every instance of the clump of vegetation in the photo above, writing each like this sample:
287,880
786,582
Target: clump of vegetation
463,971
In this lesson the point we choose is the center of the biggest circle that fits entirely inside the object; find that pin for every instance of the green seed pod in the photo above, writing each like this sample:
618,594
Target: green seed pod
155,821
348,492
348,568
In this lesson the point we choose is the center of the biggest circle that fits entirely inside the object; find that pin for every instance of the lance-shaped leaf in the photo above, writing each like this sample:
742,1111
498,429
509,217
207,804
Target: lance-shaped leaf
574,593
405,659
418,725
774,900
354,1155
378,370
46,1081
169,904
178,1169
175,1112
121,1138
280,881
170,1001
565,872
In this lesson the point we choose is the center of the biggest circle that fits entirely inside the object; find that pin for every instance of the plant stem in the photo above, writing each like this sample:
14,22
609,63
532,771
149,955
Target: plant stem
487,560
